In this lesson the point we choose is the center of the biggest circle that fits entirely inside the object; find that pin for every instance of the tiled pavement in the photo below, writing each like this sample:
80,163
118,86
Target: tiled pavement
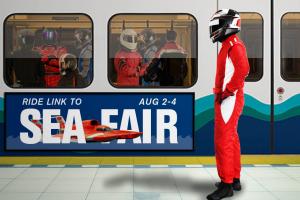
128,182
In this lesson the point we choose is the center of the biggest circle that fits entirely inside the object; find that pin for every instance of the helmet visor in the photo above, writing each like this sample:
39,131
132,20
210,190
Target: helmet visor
130,38
216,25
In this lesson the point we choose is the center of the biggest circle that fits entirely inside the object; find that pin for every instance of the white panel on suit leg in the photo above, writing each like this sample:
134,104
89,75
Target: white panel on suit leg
227,108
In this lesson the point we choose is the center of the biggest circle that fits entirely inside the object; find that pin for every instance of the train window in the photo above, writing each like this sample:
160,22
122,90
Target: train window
48,50
252,35
290,48
152,50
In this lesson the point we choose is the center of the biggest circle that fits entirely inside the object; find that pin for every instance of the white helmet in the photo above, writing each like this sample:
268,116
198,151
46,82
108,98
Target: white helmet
128,39
67,63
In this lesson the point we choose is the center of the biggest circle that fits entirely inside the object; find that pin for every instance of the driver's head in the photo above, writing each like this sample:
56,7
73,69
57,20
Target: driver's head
171,35
128,39
224,23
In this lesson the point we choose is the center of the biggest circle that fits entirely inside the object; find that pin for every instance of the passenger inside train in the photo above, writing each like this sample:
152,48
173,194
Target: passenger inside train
146,52
37,46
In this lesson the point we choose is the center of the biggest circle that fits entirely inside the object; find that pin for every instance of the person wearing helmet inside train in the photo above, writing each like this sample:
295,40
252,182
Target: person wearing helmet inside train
50,53
85,55
70,76
232,69
127,61
169,66
25,66
148,48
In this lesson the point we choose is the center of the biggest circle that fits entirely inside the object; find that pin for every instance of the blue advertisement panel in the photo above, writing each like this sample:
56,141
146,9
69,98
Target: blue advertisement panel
99,121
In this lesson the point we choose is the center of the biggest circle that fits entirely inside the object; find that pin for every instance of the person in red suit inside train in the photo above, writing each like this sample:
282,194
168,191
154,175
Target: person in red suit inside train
127,61
232,69
50,53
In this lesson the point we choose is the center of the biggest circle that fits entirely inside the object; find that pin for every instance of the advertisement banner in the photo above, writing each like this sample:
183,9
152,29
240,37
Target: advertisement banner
99,121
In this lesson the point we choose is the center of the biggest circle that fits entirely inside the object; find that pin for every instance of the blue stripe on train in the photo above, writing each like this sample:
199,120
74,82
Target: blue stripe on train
254,137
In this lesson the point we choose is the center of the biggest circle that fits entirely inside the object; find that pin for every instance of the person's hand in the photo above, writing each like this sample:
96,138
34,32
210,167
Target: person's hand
225,94
137,74
141,71
218,97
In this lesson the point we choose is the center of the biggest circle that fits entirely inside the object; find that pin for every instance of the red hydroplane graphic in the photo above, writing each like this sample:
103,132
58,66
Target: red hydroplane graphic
93,131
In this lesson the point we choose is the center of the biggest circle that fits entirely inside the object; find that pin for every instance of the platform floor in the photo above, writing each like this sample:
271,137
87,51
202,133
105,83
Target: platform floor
142,182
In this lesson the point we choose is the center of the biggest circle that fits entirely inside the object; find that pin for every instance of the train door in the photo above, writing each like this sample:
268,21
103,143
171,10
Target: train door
287,76
254,125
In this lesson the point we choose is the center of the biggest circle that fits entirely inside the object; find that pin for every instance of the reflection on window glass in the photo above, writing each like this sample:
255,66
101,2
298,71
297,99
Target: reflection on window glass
290,48
48,51
252,35
152,50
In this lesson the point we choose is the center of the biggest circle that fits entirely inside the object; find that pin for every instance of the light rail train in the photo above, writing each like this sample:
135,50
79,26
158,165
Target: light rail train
175,114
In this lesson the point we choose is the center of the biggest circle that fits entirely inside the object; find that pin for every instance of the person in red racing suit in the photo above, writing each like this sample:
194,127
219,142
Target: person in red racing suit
127,61
50,55
232,69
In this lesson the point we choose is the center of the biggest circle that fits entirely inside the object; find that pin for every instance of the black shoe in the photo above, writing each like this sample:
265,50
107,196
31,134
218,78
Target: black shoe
224,190
236,185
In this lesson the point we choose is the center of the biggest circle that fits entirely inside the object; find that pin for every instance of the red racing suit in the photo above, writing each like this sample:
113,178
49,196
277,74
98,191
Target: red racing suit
50,59
170,47
232,69
128,67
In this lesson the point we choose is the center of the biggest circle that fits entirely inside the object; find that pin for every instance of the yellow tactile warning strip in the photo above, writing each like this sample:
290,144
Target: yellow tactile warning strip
201,160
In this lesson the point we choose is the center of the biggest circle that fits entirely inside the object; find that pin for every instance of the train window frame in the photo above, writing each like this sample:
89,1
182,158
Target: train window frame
263,36
282,75
158,87
49,14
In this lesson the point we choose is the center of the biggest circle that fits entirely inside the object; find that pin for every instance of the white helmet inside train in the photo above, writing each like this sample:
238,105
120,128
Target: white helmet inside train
128,39
67,63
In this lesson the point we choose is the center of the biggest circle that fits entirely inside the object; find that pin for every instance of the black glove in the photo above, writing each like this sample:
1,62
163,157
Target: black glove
153,71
